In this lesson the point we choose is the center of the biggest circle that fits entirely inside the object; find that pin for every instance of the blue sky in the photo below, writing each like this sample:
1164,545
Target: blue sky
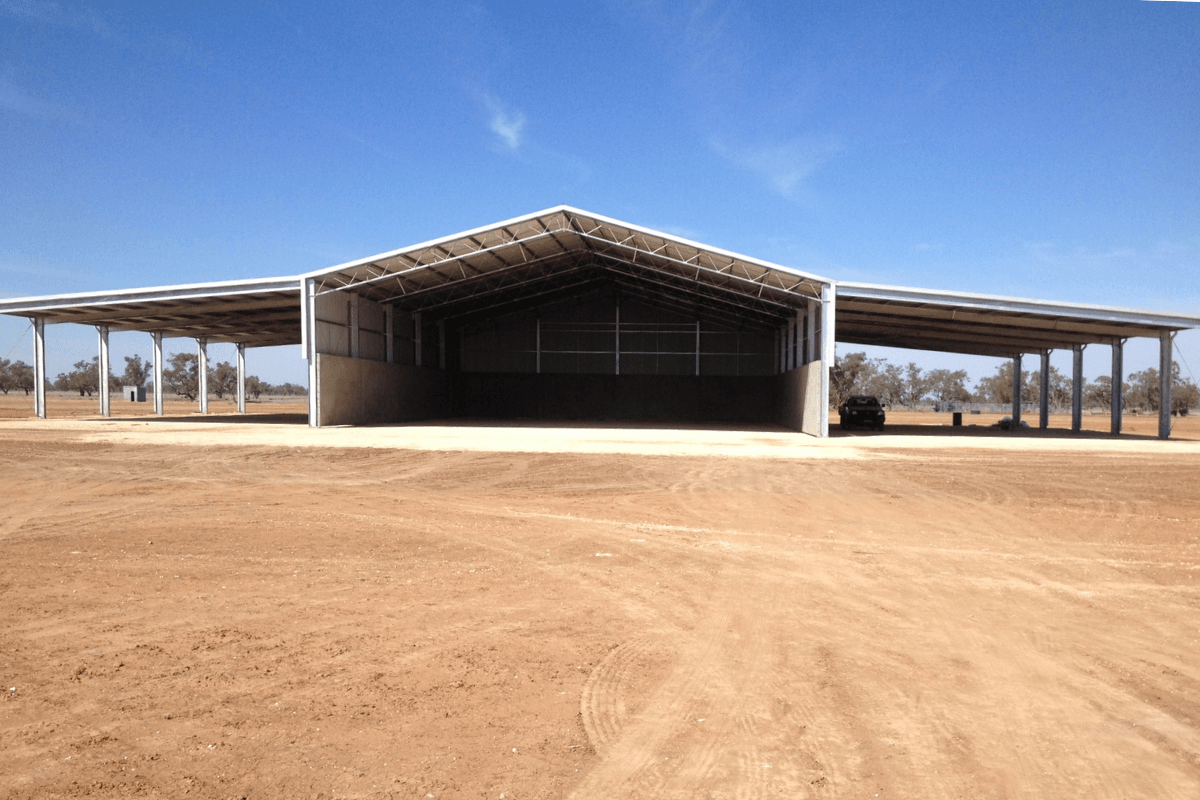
1037,149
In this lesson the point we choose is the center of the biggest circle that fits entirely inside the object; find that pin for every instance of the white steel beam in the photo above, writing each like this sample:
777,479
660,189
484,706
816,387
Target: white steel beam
1016,391
1117,401
1044,393
241,378
828,300
1164,384
102,377
202,373
1077,388
157,357
39,367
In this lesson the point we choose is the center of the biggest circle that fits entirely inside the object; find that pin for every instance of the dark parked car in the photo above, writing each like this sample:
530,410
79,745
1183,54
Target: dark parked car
863,411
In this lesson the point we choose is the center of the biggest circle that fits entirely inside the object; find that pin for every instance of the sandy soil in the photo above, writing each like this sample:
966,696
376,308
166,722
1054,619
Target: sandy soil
917,615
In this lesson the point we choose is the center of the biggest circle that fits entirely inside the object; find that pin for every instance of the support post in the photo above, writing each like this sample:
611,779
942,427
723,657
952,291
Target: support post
1044,393
618,339
537,344
39,367
828,299
1077,388
1016,391
104,368
418,345
697,348
1164,384
1117,400
241,377
790,333
308,331
354,337
441,344
389,331
202,373
811,355
157,356
779,348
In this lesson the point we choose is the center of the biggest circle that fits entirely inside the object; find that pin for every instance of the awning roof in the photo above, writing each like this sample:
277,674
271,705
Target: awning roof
961,322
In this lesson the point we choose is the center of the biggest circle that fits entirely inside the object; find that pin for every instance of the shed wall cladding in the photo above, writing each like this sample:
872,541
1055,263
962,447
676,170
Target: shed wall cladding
581,337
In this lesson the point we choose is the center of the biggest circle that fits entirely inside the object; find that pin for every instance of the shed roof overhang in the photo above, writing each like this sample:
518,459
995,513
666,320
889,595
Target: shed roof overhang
961,322
254,312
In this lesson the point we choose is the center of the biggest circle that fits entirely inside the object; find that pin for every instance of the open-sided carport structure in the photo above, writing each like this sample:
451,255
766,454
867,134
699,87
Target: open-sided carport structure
568,314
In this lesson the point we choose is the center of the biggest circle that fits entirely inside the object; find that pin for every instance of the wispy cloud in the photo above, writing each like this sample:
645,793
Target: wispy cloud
50,13
787,165
17,99
507,123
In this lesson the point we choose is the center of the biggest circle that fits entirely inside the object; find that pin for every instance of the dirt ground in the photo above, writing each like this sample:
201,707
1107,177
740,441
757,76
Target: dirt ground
229,608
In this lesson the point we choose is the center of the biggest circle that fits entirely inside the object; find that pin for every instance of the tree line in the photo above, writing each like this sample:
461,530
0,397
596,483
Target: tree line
910,386
181,377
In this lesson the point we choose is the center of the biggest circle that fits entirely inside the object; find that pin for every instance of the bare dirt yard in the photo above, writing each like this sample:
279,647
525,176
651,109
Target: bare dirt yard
214,607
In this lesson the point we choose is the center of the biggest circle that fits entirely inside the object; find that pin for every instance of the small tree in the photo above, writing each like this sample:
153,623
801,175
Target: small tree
22,377
183,375
85,377
137,372
7,384
222,380
255,387
1098,393
948,386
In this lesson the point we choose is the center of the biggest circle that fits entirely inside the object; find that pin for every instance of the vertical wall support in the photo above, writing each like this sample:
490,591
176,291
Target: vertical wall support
537,346
1077,388
1117,401
441,325
104,369
418,345
798,340
202,374
355,339
618,340
39,367
1044,393
790,362
828,300
157,356
389,332
308,336
780,341
1164,384
811,355
697,348
1016,391
241,377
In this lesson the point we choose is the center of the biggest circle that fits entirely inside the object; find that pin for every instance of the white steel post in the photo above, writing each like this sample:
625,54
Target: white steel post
389,330
1044,393
811,355
308,329
1117,401
102,377
202,373
618,339
1164,384
39,367
157,356
1077,388
828,299
241,377
354,337
1016,391
418,345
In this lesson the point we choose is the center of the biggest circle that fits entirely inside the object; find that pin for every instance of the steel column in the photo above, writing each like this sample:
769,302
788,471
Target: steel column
811,355
1016,391
157,357
389,324
618,339
103,370
697,348
537,344
1044,393
241,377
39,367
828,300
354,338
202,373
1117,400
1164,384
418,344
1077,388
308,330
